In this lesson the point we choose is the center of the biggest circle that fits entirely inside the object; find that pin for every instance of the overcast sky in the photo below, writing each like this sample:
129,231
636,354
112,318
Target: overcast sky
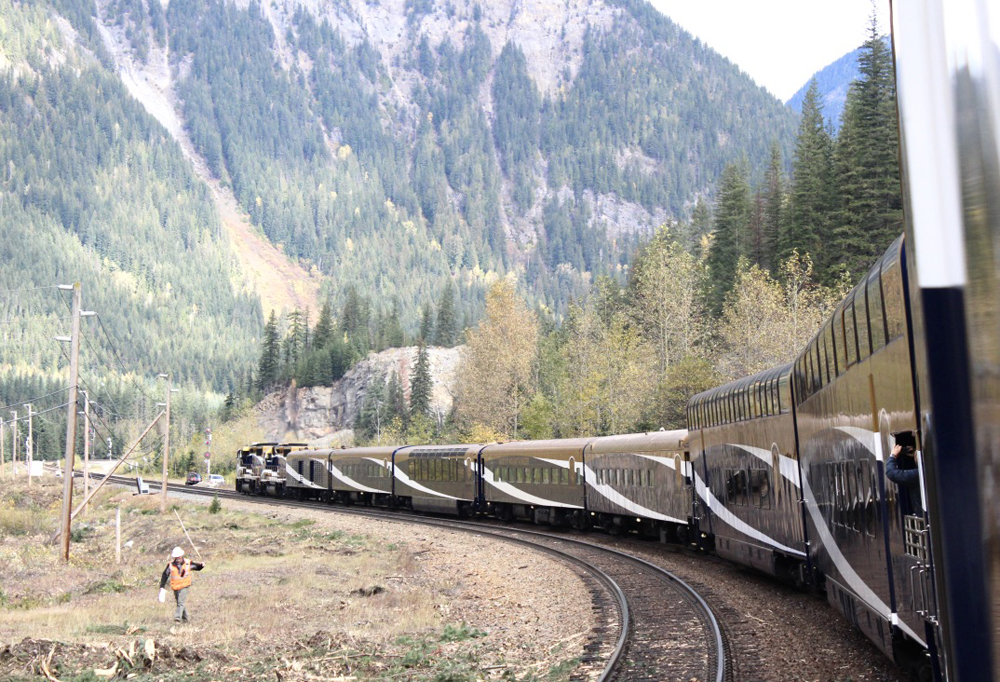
779,43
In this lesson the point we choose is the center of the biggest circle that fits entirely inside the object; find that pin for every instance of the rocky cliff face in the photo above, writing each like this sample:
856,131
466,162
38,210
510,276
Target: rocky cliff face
324,415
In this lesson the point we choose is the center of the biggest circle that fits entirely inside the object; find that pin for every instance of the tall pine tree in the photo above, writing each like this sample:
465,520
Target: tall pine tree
731,230
270,356
869,211
420,384
446,328
323,332
806,228
774,209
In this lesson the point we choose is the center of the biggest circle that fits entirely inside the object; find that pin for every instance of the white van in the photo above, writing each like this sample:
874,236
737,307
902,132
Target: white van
215,480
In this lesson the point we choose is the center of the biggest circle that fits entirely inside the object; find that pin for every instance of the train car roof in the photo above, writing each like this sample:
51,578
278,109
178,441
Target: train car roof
523,447
653,441
766,375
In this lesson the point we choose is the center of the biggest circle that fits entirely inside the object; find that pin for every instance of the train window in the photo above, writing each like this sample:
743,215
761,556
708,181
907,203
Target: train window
861,314
649,478
814,354
892,298
564,476
755,404
831,362
807,389
546,475
828,372
850,339
785,394
875,312
838,341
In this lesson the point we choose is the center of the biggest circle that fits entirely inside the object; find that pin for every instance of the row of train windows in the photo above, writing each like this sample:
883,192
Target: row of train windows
539,475
764,397
871,317
748,488
364,470
850,489
439,470
636,478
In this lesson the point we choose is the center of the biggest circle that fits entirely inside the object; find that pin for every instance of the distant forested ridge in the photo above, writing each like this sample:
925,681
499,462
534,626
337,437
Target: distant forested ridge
442,156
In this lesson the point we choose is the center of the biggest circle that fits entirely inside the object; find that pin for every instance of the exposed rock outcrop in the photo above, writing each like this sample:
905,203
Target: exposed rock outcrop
324,415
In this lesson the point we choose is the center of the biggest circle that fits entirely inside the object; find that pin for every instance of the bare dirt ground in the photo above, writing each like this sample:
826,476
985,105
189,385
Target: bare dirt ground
285,595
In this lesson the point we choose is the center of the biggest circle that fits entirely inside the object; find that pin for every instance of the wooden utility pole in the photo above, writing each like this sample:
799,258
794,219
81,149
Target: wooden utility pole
13,460
3,465
166,448
74,371
29,445
86,446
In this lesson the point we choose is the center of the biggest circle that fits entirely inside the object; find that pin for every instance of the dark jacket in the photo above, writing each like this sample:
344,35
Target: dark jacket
902,470
165,578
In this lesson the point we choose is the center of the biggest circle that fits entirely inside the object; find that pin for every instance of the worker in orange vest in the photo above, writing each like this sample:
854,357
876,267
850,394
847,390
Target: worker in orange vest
178,572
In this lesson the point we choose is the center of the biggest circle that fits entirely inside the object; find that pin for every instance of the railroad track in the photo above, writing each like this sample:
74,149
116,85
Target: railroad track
650,624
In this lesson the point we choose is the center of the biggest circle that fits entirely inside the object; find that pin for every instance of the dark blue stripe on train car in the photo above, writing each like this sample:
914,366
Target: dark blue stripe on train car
959,526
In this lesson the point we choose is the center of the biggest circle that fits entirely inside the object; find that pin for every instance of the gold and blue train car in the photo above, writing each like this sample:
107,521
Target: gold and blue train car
307,474
436,478
745,469
640,482
854,387
541,481
361,475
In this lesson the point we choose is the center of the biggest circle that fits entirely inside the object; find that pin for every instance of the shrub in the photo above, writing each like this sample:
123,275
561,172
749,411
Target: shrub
216,505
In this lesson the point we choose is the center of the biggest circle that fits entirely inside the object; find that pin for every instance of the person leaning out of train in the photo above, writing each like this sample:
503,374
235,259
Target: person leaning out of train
178,573
902,470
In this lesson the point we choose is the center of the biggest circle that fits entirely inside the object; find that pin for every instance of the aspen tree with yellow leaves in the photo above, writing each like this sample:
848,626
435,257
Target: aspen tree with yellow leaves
496,377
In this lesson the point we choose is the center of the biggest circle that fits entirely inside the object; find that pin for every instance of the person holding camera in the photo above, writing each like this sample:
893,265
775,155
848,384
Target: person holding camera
902,470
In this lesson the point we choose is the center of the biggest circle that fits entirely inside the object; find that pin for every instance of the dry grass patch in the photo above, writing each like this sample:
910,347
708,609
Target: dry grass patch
293,596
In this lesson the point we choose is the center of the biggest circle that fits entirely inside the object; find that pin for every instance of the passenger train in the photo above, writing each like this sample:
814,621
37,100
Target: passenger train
785,471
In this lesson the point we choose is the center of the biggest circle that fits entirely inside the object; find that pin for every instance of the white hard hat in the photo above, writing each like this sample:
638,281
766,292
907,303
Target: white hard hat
178,552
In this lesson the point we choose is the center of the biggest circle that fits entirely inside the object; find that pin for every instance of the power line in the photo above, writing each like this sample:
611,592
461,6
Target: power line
4,292
114,350
35,414
36,398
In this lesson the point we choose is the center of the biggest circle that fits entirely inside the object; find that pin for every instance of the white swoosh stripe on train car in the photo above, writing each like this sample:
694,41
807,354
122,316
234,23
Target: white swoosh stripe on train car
865,437
350,481
847,572
302,479
520,494
789,467
730,519
608,492
406,480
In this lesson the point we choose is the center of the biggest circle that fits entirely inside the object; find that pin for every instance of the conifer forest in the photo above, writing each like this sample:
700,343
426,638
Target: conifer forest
604,233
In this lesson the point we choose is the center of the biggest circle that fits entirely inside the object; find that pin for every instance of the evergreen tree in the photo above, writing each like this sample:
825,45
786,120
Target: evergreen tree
372,418
446,323
427,324
420,384
396,400
731,229
808,215
773,210
270,355
868,215
295,338
323,333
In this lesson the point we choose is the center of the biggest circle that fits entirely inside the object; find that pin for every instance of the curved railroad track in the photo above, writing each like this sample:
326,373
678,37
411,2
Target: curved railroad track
651,625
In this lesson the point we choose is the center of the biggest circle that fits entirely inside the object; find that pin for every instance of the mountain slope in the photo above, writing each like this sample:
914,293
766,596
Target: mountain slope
95,191
455,140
